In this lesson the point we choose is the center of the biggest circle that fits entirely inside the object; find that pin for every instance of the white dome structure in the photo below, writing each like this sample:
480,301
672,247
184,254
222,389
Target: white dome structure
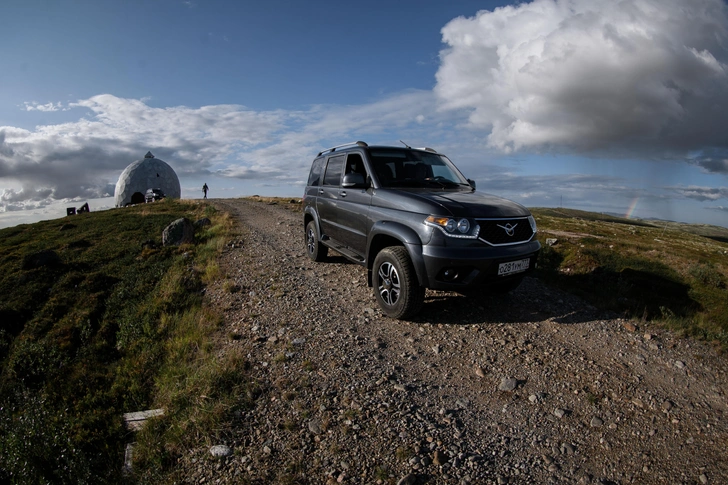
147,173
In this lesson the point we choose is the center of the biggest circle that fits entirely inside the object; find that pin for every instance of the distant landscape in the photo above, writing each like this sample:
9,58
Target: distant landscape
117,321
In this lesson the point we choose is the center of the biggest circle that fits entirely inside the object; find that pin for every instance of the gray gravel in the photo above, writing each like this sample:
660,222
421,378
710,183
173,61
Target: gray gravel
532,387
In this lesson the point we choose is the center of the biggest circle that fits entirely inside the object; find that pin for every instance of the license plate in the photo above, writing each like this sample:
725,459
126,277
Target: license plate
513,267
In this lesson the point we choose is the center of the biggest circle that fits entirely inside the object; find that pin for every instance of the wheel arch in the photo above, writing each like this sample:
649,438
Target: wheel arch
385,234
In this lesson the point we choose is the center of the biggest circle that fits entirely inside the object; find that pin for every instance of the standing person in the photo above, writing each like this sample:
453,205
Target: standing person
204,190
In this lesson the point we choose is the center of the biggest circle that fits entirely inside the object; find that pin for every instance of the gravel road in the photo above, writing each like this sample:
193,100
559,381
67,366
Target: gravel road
532,387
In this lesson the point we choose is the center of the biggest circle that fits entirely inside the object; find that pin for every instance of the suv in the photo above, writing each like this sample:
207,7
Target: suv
414,221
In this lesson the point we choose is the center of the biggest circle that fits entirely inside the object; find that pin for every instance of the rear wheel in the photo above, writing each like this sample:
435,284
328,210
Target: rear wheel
396,288
314,249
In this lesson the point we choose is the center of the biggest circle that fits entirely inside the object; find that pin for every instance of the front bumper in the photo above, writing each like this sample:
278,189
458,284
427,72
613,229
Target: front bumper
461,268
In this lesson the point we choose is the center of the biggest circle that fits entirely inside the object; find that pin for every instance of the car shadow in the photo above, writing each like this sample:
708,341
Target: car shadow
531,302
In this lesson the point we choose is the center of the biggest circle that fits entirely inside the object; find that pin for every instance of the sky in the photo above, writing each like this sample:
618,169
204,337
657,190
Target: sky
617,106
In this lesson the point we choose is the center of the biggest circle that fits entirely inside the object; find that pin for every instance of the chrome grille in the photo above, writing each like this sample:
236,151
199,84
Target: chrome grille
504,232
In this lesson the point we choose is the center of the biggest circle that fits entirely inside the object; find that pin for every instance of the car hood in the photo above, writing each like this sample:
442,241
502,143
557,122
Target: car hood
474,204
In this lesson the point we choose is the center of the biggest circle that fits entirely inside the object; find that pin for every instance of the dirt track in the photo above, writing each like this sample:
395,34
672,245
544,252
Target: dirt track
350,396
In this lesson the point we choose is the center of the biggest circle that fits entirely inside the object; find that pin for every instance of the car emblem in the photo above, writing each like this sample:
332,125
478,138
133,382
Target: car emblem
508,228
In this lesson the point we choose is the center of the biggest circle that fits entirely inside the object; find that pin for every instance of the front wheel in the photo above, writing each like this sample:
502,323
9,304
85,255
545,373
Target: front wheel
314,249
395,284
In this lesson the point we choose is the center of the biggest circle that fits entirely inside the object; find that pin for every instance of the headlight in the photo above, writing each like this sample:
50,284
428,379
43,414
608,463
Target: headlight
463,226
460,228
532,221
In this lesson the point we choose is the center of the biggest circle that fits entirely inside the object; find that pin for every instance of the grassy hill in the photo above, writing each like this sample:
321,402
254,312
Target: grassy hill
116,323
87,334
670,273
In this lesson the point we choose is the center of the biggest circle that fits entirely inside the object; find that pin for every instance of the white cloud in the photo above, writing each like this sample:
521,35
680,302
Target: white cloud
83,158
34,106
592,75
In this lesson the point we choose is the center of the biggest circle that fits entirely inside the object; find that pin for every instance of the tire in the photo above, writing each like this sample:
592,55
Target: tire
314,249
396,288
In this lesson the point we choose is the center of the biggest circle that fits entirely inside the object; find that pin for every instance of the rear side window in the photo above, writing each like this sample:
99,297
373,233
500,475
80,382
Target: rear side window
333,171
317,169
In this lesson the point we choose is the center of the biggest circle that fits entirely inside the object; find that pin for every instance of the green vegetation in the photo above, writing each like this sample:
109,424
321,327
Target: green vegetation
669,273
113,324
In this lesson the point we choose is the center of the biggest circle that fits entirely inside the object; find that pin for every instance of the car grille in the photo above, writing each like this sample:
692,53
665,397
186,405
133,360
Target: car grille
504,232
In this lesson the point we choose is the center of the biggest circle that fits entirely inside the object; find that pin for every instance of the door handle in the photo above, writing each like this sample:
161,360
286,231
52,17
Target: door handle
342,193
321,191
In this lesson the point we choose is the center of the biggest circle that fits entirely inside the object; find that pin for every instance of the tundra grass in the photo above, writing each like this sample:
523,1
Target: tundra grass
96,333
667,273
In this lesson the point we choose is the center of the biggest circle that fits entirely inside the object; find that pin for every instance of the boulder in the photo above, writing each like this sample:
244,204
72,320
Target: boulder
202,222
178,232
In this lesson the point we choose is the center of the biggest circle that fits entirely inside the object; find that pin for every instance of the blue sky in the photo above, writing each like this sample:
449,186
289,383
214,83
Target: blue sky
603,105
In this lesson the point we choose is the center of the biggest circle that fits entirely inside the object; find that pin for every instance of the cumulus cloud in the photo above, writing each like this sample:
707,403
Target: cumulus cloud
83,158
592,76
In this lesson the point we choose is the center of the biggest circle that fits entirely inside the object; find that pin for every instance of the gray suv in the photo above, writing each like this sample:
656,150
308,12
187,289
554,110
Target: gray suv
414,221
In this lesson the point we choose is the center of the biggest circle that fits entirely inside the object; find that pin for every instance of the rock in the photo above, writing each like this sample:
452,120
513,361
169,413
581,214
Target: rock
40,259
221,451
508,384
596,422
533,398
479,371
408,479
314,427
551,241
202,222
559,413
703,478
679,364
666,406
178,232
629,326
439,458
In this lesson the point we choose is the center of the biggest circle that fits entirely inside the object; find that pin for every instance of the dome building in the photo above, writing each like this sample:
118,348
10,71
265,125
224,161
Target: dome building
147,173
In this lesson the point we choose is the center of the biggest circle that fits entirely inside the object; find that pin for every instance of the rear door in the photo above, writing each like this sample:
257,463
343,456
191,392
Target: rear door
354,208
327,203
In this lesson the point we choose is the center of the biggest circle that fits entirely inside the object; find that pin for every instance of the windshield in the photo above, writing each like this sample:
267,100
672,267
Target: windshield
404,168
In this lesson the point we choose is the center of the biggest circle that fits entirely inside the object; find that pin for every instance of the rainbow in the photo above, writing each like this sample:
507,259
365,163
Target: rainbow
632,207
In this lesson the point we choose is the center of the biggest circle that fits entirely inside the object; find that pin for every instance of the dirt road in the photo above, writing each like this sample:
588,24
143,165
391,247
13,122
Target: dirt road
533,387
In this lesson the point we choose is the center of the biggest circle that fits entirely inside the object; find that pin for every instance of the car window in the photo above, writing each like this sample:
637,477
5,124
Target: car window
355,164
410,168
333,171
316,170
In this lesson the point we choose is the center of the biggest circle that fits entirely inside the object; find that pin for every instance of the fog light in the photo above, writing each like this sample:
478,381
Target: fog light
450,274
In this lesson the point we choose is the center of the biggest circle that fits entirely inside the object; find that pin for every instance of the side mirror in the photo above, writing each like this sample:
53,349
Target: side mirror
472,183
353,180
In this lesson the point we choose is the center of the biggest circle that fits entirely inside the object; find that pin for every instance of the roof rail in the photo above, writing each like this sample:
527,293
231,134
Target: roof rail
333,149
428,149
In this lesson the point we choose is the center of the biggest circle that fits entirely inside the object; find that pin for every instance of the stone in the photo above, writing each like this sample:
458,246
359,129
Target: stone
314,427
596,422
178,232
408,479
629,326
679,364
479,371
221,451
551,241
559,413
439,458
199,223
508,384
